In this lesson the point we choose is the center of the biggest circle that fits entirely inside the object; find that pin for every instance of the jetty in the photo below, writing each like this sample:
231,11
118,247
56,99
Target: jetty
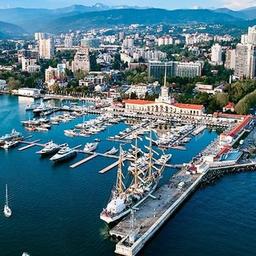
108,168
84,160
137,228
30,144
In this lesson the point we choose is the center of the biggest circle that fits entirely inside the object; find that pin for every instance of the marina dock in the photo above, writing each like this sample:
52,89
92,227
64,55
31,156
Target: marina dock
151,215
137,228
30,144
108,168
84,160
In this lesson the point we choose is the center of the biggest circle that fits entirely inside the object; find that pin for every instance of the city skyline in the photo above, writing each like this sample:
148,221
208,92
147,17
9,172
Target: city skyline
236,4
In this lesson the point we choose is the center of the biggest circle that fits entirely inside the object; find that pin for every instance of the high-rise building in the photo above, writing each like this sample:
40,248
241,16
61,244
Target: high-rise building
245,61
68,41
40,36
216,57
244,39
165,40
230,62
81,60
245,65
53,74
252,35
128,42
121,35
46,48
157,69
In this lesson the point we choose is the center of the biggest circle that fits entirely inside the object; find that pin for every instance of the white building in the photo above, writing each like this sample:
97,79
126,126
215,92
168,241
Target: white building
165,40
230,59
40,36
252,35
163,106
68,41
54,74
3,84
245,64
46,48
29,92
128,42
81,60
29,65
216,57
139,89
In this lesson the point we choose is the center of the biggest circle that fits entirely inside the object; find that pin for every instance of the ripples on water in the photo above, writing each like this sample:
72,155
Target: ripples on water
56,209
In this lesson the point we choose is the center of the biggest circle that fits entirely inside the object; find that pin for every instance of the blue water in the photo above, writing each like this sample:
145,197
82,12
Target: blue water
56,208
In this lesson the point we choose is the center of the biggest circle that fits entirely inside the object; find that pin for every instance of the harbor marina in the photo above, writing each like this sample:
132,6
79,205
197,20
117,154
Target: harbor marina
67,186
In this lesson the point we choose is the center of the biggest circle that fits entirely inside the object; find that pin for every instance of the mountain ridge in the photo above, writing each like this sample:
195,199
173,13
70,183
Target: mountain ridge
100,15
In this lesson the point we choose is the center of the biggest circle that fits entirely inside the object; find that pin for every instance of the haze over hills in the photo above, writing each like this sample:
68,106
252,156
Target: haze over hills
100,15
246,14
138,16
8,30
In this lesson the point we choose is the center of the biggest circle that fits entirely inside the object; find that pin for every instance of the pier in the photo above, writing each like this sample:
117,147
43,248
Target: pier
137,228
151,215
84,160
108,168
30,144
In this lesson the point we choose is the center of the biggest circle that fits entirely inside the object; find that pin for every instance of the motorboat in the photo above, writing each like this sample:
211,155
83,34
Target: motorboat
50,148
64,154
112,151
90,147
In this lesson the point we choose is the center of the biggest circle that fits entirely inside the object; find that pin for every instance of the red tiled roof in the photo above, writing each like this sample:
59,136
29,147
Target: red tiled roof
230,105
139,102
240,126
224,150
235,116
189,106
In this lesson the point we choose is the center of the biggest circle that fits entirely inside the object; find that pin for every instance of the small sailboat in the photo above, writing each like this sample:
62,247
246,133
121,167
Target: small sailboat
7,209
25,254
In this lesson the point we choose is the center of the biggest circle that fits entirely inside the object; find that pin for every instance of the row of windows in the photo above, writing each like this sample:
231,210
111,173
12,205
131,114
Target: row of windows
164,109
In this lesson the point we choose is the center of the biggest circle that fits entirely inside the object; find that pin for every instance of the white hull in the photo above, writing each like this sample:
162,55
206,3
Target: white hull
7,211
63,157
119,216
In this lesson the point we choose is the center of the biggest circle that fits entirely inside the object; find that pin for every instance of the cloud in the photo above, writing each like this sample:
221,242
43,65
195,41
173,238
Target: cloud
239,4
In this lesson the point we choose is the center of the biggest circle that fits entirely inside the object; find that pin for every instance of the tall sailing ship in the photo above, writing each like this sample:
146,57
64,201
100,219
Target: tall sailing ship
145,178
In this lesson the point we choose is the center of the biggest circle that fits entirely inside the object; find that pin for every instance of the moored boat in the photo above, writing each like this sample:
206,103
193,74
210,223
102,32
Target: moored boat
50,148
112,151
64,154
90,147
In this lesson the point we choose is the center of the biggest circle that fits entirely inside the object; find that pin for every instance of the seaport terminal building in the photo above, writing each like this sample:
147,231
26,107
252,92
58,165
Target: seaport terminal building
163,105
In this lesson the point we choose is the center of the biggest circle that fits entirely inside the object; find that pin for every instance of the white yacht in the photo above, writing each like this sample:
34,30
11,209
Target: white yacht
163,159
64,154
50,148
7,209
112,151
90,147
10,144
14,135
71,133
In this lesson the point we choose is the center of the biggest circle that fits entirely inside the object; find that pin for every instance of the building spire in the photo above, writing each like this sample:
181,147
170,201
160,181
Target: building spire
165,76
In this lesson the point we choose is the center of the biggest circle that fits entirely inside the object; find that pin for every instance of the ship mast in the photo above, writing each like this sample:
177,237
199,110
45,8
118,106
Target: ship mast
6,195
120,187
150,164
136,178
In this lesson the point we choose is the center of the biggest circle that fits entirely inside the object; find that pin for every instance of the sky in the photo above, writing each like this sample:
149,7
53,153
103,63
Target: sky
168,4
